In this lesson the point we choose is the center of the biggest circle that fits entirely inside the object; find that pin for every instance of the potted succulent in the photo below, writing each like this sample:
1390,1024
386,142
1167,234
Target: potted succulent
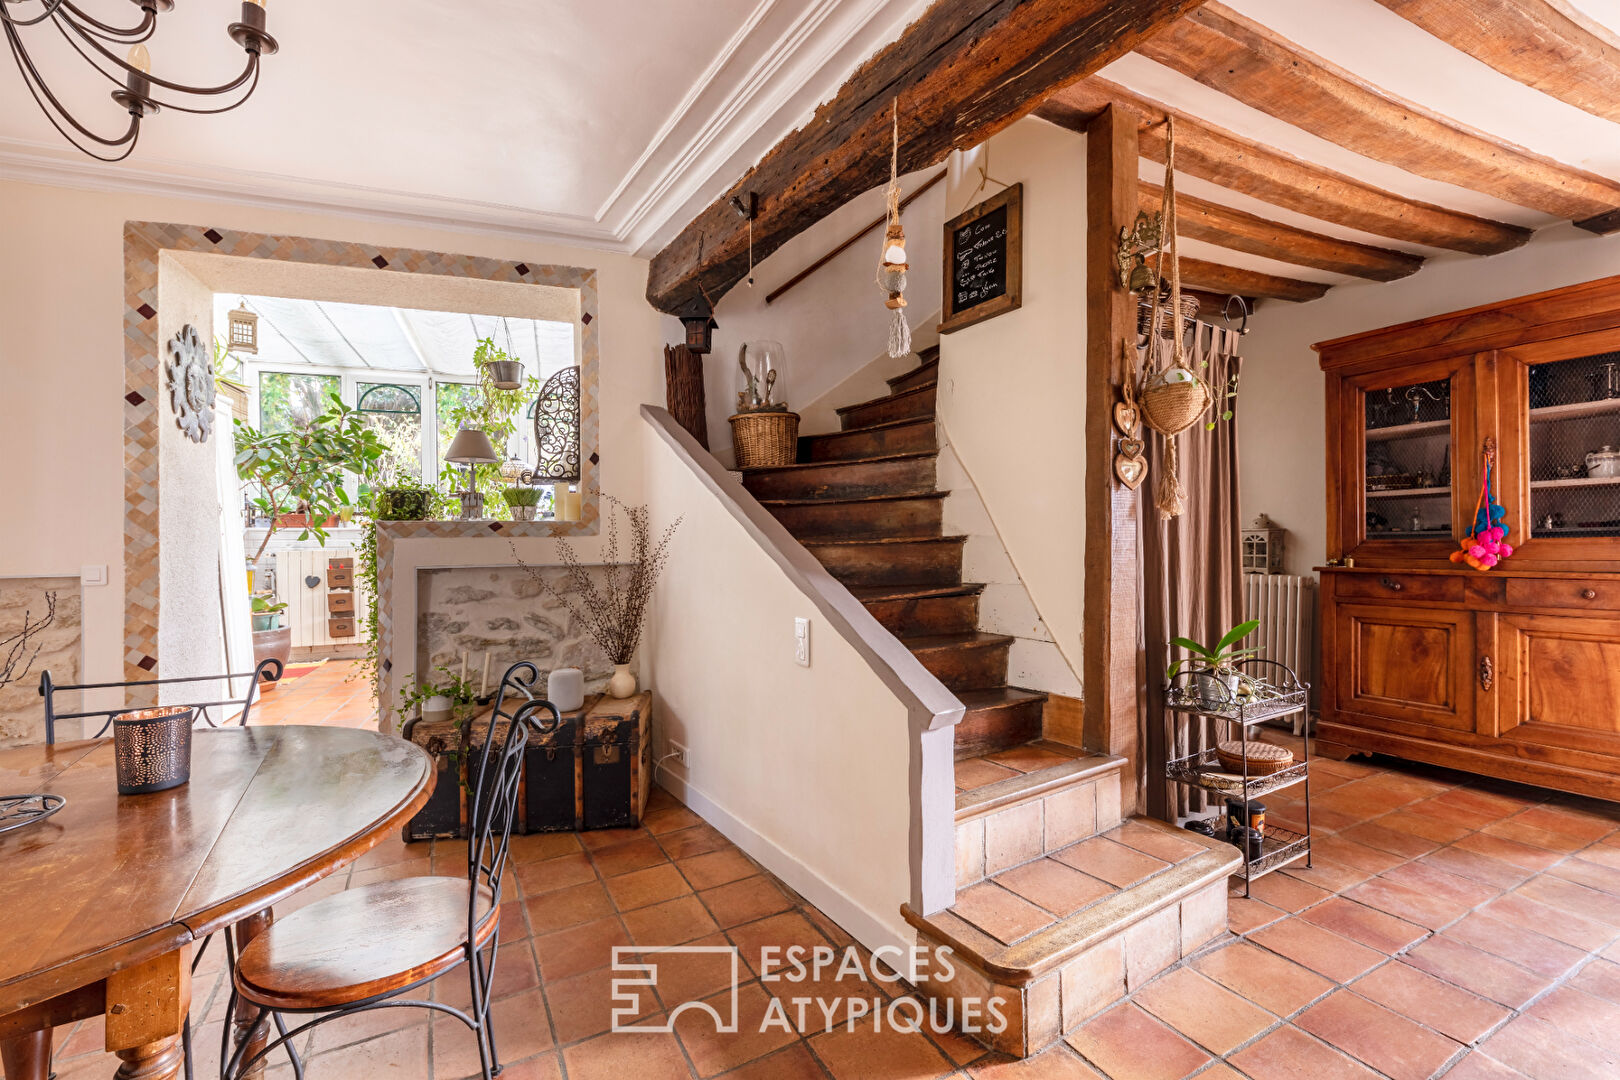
271,640
1216,662
522,501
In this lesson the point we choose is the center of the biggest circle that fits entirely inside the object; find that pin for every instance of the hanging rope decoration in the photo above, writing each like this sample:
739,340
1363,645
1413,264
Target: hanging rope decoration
1171,397
892,267
1487,544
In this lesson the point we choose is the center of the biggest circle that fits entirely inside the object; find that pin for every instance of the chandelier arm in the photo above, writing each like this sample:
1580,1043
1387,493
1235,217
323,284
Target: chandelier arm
253,65
253,85
36,87
200,91
139,32
46,12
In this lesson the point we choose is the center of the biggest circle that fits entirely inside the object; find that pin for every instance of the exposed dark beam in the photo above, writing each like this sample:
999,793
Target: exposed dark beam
1214,277
1213,223
963,71
1245,166
1547,44
1261,69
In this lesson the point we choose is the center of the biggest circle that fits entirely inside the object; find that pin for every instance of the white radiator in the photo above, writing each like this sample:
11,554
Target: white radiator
308,609
1285,604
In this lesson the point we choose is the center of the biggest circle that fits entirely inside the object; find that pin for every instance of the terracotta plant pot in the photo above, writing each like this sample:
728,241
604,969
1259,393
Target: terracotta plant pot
272,644
292,521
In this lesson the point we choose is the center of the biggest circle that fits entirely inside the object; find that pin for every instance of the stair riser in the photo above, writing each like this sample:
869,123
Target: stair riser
908,439
927,615
1035,827
908,407
862,521
921,563
984,731
915,377
908,476
969,669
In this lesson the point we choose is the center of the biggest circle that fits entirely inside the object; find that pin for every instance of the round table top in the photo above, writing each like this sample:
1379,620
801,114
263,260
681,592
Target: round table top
110,880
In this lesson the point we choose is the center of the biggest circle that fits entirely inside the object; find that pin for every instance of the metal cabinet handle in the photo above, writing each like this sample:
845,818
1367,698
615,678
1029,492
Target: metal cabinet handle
1588,594
1487,674
1392,585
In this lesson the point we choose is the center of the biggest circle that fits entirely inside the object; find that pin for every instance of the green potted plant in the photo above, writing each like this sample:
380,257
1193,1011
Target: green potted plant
405,499
493,411
522,501
1219,661
271,640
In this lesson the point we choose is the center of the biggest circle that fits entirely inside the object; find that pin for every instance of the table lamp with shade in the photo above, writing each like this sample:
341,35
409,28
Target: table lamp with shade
471,447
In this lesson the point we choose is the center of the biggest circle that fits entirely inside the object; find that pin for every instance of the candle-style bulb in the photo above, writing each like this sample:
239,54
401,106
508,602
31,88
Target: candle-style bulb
256,3
140,59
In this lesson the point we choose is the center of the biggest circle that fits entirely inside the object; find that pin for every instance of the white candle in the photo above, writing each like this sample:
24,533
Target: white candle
483,680
463,665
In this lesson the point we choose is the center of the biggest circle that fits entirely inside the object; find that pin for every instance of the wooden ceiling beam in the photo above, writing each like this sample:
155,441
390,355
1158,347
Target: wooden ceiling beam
1261,69
963,71
1242,165
1199,219
1214,277
1547,44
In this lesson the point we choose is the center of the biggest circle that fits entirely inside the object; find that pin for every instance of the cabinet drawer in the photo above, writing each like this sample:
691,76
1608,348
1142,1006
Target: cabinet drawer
1445,590
1572,594
340,626
339,602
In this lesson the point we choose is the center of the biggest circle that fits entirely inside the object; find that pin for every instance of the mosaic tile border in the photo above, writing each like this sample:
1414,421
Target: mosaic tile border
144,241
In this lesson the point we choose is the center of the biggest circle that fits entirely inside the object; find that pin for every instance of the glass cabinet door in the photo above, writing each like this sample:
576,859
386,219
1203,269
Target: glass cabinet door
1407,466
1573,448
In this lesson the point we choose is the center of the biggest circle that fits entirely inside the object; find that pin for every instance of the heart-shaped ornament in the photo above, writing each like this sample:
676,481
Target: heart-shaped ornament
1126,418
1131,447
1130,470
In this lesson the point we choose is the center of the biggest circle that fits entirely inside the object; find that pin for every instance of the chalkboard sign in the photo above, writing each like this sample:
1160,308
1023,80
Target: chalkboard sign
984,261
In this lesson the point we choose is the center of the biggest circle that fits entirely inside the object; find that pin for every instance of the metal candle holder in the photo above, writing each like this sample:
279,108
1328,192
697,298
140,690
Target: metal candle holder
152,748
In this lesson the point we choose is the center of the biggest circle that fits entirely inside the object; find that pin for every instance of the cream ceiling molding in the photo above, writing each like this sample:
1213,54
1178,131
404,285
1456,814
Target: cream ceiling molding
783,60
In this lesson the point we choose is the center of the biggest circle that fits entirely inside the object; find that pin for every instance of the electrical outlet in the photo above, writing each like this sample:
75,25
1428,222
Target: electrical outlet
801,642
677,752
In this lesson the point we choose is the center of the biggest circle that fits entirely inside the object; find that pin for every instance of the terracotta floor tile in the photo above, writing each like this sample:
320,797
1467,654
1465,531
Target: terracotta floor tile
641,888
1519,944
1560,924
598,839
1423,908
778,932
1288,893
1476,1066
536,846
1114,863
1058,1063
1477,971
1204,1011
1290,1054
1390,1043
1368,926
582,1005
1416,995
1577,826
579,948
1155,842
1052,885
744,901
1027,759
1582,1015
698,840
1339,958
866,1053
1395,841
619,1057
1509,851
1544,1051
1265,978
568,907
1244,915
1470,864
976,773
1420,822
1574,898
717,868
670,820
1341,850
520,1032
713,1052
628,857
1324,873
399,1053
683,974
1434,881
671,923
1600,978
1594,875
1521,831
794,1063
549,875
999,912
1127,1042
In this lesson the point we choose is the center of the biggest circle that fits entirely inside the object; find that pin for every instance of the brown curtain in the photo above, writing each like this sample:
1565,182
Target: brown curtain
1191,578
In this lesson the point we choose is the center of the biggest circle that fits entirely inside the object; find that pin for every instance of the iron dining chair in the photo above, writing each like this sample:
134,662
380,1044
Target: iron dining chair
335,958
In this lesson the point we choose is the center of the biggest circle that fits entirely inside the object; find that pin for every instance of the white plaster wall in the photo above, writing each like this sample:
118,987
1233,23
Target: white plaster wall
1012,389
1282,445
833,323
62,362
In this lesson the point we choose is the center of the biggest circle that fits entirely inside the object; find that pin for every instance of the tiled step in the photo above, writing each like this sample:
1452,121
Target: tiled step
914,610
897,474
910,404
869,518
926,372
928,561
1016,805
998,718
1056,940
967,661
894,437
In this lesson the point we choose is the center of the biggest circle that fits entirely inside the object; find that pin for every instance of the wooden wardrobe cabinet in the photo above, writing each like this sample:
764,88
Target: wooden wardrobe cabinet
1512,672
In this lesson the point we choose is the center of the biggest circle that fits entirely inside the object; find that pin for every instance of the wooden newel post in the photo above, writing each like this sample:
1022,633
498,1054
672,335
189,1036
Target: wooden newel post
1112,663
683,388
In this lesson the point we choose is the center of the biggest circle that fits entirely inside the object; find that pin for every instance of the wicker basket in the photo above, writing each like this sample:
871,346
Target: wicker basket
1167,318
1173,407
765,439
1263,758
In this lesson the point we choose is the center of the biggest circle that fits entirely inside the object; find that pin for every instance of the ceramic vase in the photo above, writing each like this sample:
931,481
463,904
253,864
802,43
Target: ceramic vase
623,683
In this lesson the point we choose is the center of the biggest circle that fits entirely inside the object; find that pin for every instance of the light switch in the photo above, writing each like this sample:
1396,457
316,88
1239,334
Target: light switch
93,575
801,642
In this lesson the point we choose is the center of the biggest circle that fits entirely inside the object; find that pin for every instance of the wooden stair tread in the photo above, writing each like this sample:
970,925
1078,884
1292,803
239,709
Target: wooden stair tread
909,421
1046,947
912,392
841,464
971,639
924,366
878,541
997,696
858,499
874,594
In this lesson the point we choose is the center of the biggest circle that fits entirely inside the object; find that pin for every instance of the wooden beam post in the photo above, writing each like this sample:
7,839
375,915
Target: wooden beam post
1111,664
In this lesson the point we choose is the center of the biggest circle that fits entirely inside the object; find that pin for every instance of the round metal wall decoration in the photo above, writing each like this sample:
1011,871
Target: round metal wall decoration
191,384
556,429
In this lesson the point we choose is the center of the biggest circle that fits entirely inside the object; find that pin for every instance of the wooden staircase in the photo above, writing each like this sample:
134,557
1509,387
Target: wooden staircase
865,501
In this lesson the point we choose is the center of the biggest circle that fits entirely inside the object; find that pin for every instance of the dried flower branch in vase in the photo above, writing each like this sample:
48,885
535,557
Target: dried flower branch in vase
613,612
18,660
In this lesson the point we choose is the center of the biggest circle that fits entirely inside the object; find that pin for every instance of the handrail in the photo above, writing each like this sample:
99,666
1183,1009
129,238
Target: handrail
841,248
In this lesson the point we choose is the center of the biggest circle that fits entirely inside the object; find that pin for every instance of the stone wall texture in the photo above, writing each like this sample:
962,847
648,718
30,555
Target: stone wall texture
57,650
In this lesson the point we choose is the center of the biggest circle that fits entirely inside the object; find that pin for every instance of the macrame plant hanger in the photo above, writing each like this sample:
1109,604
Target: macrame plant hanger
1173,396
892,266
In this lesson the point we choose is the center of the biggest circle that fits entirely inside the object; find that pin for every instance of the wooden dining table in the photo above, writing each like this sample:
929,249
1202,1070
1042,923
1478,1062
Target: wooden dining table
102,902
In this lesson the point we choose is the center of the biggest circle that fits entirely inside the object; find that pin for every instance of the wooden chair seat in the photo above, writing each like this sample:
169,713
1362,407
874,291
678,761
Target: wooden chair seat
363,942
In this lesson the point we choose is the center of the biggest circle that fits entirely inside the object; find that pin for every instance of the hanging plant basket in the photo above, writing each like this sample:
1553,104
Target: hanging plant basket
1167,317
764,440
1173,400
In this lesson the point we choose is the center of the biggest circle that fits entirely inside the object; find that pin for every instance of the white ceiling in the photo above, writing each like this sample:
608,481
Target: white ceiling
603,122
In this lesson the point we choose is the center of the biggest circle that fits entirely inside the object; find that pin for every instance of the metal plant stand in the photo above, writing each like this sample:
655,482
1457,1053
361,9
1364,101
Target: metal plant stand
1197,692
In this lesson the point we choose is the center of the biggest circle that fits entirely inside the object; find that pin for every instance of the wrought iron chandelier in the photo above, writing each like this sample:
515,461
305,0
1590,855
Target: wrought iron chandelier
136,88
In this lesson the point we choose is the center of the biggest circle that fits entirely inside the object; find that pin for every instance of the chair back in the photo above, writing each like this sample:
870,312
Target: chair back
269,671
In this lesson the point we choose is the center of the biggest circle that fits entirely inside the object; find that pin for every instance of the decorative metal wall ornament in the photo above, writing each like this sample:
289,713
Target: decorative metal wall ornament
1136,245
191,384
556,429
132,76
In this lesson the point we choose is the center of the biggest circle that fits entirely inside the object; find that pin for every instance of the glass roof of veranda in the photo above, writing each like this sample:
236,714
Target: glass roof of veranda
324,334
